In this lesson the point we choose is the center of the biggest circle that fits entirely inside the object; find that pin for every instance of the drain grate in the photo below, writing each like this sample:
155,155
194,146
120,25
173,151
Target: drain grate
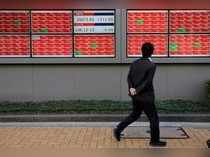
165,132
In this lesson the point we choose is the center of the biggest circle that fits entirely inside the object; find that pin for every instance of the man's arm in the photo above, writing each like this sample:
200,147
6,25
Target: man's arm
131,90
130,84
148,79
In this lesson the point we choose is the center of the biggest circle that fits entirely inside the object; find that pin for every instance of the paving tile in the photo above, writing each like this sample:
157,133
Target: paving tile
88,138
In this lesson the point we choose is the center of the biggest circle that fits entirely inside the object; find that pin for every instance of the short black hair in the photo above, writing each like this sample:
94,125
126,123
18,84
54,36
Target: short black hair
147,49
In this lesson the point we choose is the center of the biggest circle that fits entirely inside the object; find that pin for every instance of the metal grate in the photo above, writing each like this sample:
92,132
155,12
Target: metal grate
165,132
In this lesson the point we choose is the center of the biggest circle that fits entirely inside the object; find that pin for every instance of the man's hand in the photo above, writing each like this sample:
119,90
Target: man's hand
132,91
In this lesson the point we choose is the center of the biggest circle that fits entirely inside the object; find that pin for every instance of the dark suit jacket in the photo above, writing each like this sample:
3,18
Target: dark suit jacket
140,77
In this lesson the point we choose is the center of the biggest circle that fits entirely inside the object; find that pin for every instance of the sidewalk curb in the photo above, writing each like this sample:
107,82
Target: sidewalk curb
99,117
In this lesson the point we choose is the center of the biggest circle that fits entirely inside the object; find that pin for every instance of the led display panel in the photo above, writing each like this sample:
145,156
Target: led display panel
14,21
94,21
94,45
51,21
189,45
190,21
135,41
14,45
147,21
52,45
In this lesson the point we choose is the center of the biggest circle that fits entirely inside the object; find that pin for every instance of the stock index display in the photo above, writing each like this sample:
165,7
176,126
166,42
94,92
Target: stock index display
173,32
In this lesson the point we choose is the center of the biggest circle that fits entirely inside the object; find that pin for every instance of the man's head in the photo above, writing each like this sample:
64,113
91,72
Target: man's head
147,49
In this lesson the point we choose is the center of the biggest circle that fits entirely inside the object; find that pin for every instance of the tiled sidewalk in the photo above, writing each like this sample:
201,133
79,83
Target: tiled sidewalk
88,138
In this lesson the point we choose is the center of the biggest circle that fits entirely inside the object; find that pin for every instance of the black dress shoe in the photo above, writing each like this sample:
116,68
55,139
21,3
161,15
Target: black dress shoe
116,134
208,143
158,144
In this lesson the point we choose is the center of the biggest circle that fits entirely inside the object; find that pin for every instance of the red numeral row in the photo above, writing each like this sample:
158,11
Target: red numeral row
51,45
147,22
190,22
134,44
14,45
94,44
14,22
51,22
41,22
180,22
192,45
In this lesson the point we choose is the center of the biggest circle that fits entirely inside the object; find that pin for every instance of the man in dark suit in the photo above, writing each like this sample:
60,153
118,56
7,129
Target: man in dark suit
140,84
208,143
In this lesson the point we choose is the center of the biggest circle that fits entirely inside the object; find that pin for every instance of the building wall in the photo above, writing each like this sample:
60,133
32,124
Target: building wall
37,82
58,82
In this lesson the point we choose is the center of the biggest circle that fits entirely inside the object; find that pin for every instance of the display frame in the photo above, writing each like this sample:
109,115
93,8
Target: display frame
50,33
64,60
120,47
114,34
146,33
169,58
18,10
18,34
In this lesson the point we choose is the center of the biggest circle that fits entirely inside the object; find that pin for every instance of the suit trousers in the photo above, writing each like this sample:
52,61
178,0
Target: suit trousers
147,105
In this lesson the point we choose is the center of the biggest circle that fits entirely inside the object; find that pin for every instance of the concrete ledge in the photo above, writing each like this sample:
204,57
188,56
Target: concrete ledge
99,118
